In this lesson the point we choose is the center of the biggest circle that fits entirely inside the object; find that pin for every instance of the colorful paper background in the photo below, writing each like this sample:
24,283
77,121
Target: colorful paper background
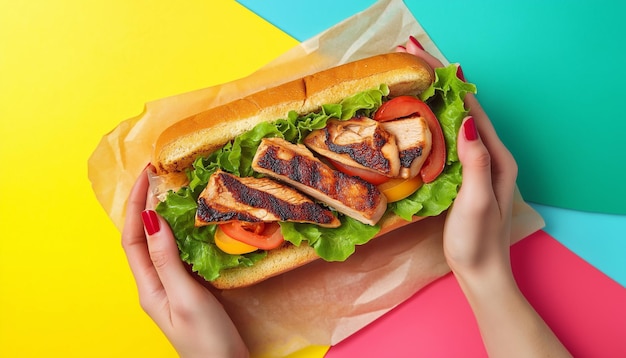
70,71
550,75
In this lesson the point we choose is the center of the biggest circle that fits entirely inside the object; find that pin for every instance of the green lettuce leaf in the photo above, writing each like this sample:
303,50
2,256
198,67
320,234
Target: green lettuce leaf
432,198
330,244
195,244
365,103
445,98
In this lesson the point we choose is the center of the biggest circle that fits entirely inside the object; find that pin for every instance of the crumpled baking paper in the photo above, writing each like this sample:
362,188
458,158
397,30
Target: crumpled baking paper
320,303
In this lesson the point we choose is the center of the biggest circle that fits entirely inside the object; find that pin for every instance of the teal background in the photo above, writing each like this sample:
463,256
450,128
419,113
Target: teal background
551,75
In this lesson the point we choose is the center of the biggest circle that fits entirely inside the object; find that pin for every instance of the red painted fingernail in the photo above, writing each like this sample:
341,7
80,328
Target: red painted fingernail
459,73
401,48
469,129
415,42
150,221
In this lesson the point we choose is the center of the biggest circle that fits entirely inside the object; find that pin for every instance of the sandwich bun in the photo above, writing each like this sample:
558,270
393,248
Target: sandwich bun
201,134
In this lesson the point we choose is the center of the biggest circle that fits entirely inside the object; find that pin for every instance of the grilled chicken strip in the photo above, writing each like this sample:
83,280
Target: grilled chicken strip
228,197
358,142
414,142
296,165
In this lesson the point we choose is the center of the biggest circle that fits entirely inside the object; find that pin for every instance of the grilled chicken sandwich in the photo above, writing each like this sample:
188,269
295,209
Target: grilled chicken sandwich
311,168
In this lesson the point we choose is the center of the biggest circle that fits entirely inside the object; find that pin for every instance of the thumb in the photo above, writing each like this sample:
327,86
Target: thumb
164,253
476,162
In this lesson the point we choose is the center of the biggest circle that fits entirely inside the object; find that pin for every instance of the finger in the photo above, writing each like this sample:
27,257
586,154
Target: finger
164,255
136,247
414,47
477,186
151,199
504,167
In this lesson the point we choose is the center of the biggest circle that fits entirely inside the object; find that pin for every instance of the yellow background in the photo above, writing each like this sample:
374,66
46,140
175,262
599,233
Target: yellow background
70,71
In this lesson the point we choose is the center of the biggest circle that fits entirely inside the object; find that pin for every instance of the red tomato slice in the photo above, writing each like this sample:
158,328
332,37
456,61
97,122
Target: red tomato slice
367,175
404,106
265,236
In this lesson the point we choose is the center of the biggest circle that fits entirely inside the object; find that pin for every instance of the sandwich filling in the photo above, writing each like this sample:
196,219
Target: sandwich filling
346,130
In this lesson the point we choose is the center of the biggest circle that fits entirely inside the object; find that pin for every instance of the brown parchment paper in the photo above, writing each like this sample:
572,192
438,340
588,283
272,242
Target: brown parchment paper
321,303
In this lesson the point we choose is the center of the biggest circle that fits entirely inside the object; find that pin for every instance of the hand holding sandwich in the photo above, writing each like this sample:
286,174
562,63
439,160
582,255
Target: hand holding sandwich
191,318
475,243
476,239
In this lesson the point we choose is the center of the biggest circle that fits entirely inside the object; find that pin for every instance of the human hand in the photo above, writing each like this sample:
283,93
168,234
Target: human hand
477,230
476,238
191,318
478,226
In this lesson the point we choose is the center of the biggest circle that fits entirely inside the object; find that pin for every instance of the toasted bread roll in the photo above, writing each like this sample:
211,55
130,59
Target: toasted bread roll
201,134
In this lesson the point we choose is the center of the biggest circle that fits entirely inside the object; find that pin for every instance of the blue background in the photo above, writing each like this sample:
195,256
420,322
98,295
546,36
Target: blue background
550,75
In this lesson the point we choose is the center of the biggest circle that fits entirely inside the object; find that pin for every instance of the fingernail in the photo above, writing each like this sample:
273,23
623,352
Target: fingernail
459,73
150,221
415,42
401,48
469,129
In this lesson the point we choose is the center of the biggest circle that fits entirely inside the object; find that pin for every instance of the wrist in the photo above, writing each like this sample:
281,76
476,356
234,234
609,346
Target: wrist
486,280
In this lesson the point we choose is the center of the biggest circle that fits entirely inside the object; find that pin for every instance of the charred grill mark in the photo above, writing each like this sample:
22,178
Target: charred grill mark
352,191
306,211
207,213
301,171
355,192
368,156
407,156
298,168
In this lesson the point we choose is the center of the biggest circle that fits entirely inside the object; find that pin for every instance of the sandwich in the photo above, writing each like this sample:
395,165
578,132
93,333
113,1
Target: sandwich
311,168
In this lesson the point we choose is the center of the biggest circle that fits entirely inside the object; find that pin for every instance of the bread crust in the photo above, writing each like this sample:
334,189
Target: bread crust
289,257
201,134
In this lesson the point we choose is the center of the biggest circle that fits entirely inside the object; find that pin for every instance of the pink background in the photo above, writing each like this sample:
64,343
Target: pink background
585,308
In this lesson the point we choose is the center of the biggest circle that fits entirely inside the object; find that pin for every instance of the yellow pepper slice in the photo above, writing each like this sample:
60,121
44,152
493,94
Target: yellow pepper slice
230,245
398,189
